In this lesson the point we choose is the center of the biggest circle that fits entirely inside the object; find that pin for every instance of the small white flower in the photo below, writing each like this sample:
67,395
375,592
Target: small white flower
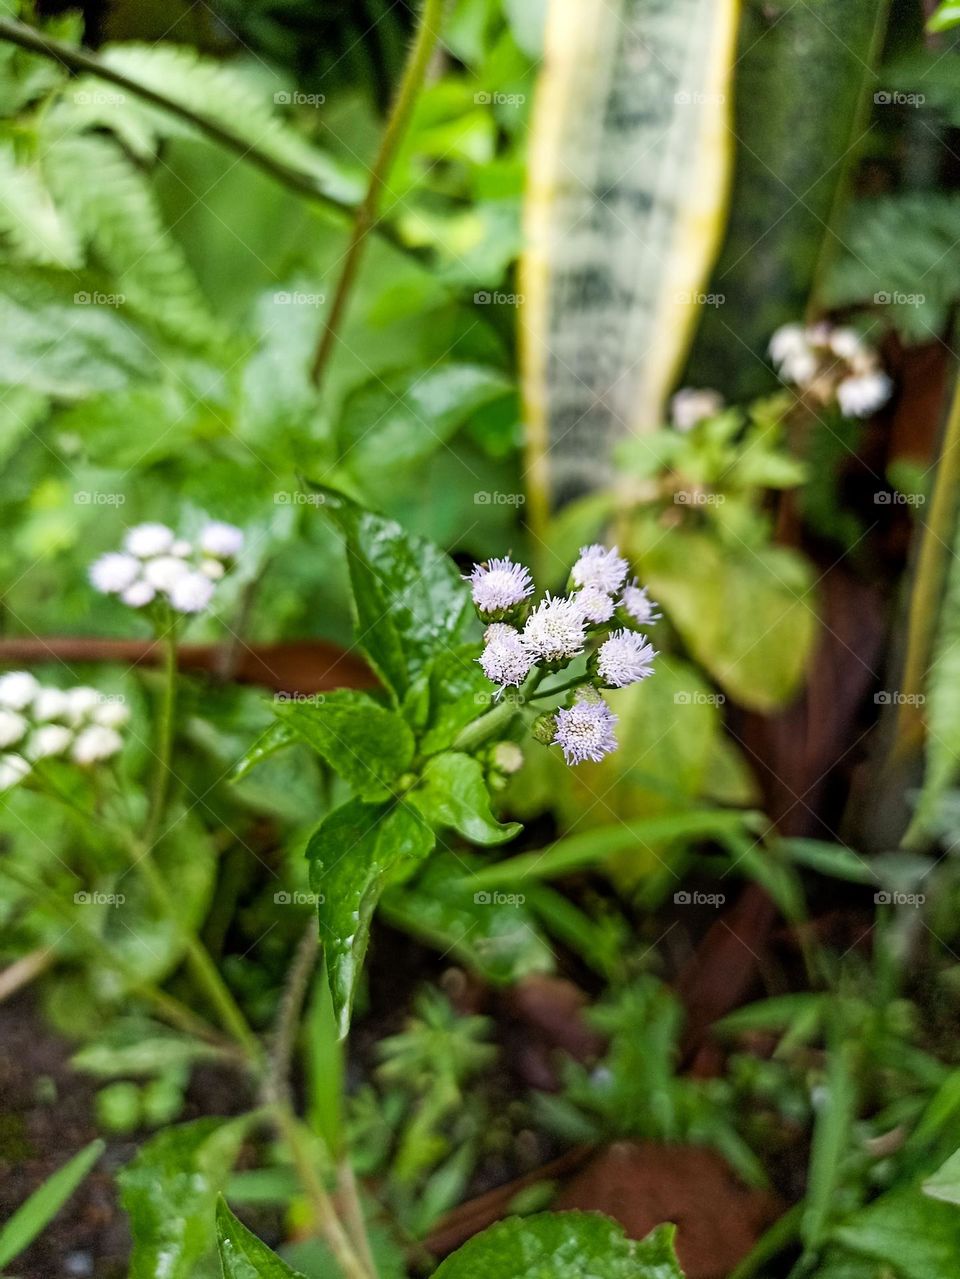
113,572
81,702
12,727
111,714
625,658
790,349
596,605
164,572
212,569
504,660
554,630
18,689
13,769
149,539
600,567
846,344
182,548
637,604
498,586
585,730
51,703
139,595
191,593
224,541
48,740
95,743
690,406
507,757
862,395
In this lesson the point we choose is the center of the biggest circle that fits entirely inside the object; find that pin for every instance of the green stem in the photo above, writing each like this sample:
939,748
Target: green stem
165,723
348,1195
561,688
487,726
397,123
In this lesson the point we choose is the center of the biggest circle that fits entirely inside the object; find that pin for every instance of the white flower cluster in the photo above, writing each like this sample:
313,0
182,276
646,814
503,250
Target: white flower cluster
830,364
155,563
691,405
40,722
558,629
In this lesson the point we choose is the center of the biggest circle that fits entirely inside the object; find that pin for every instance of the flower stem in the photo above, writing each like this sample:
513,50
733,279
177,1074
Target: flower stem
561,688
165,722
428,30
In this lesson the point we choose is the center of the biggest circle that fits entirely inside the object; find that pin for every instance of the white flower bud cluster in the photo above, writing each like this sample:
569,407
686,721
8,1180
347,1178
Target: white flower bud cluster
156,564
42,722
522,637
831,365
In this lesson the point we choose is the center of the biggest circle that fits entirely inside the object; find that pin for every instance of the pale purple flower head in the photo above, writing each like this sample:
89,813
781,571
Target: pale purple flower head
554,631
504,659
498,586
585,730
114,572
625,658
638,605
601,567
596,605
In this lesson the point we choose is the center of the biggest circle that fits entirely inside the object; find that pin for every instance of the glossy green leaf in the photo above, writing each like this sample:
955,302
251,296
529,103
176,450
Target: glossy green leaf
169,1190
352,856
368,745
275,738
945,1182
243,1255
410,599
563,1245
46,1201
452,793
945,17
455,692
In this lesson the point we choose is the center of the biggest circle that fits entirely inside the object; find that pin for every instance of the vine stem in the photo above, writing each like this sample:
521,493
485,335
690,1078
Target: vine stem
428,29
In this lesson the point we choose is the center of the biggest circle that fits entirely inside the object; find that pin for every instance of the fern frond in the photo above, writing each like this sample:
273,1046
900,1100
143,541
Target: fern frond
30,222
113,208
902,255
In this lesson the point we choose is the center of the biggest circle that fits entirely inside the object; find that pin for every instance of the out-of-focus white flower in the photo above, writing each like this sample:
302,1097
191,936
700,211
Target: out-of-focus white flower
212,569
596,605
113,572
504,660
691,406
222,540
638,605
792,353
625,658
95,743
498,586
507,757
111,714
182,547
18,689
81,702
585,730
146,540
554,631
13,769
164,572
51,703
862,395
191,593
48,740
601,567
12,727
846,344
139,595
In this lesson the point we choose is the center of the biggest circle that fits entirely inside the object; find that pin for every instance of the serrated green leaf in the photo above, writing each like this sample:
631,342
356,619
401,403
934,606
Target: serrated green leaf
35,228
243,1255
453,793
46,1201
409,597
368,745
169,1190
456,692
352,855
563,1245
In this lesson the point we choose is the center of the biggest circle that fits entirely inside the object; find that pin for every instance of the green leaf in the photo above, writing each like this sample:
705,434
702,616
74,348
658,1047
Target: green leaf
410,599
452,793
945,1182
563,1245
831,1138
915,1235
830,859
352,855
458,691
493,934
36,229
169,1190
46,1201
242,1254
947,16
276,737
368,745
394,422
134,1048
